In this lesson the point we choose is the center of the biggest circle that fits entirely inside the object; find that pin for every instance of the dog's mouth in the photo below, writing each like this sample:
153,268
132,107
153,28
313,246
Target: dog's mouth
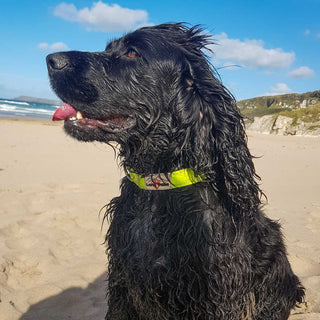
112,123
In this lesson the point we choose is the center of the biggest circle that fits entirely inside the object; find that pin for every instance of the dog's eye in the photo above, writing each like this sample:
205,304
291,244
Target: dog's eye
131,53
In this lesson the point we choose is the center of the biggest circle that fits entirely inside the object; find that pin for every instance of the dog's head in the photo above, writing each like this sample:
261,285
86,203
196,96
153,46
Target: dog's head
139,78
154,92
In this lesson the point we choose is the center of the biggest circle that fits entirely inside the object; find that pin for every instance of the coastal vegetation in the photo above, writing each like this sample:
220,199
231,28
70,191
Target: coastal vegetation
288,103
286,114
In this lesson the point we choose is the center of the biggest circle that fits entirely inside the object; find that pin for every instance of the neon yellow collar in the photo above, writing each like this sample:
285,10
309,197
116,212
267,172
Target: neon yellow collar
162,181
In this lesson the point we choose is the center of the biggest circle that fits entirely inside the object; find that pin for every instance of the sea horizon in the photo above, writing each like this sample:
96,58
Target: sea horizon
14,108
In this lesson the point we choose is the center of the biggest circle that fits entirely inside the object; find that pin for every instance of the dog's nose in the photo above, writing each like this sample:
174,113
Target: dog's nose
57,61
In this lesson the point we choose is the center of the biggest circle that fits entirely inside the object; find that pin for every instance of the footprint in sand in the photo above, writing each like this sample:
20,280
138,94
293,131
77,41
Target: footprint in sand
21,242
11,229
313,219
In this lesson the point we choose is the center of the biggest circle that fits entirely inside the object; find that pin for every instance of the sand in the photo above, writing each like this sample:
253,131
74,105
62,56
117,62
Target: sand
52,260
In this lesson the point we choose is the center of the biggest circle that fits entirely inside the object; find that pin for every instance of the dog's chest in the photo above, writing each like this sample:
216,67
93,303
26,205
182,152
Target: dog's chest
164,232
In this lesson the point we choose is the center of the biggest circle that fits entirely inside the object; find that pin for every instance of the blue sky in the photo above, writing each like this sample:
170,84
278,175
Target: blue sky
264,47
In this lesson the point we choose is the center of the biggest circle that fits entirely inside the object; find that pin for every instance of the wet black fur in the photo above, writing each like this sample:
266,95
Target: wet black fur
205,251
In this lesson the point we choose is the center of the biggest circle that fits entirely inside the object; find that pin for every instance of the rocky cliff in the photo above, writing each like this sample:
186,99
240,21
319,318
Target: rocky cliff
283,125
289,114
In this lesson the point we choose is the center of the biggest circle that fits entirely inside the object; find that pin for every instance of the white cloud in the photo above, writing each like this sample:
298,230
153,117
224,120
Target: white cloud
251,53
43,46
301,73
318,35
280,88
307,32
103,17
57,46
66,11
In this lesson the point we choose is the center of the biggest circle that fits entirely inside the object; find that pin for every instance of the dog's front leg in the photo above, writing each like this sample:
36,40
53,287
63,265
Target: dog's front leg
120,304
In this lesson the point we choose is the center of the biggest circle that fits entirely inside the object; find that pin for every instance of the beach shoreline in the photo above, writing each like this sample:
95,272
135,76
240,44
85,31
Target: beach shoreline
51,191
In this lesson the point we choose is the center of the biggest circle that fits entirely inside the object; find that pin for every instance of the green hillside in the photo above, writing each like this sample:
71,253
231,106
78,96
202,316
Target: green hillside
305,106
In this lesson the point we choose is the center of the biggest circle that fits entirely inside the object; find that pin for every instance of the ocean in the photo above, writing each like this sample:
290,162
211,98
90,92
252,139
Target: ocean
26,109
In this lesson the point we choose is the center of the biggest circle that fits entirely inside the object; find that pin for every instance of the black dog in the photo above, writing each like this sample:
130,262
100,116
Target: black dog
187,239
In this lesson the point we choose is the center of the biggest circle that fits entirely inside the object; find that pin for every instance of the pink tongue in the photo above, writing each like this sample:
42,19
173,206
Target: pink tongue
64,112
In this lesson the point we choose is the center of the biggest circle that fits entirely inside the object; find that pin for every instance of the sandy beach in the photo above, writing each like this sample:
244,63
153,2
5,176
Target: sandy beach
52,260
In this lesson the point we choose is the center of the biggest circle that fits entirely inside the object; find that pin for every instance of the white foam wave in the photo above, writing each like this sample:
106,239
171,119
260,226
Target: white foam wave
6,107
16,102
20,110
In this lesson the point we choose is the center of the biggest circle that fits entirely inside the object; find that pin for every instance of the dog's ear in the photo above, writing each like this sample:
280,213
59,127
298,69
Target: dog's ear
236,172
219,136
